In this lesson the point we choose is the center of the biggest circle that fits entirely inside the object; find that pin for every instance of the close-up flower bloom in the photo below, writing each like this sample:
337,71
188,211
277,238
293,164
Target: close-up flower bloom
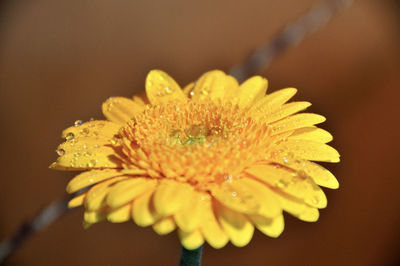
213,160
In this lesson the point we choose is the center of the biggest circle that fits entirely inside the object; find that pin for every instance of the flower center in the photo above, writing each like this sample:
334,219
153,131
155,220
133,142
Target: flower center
199,143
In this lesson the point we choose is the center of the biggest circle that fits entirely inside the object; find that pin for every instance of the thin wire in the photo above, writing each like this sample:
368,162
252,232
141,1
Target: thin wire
257,62
292,35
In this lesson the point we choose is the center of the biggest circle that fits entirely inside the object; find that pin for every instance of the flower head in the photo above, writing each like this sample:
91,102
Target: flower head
213,160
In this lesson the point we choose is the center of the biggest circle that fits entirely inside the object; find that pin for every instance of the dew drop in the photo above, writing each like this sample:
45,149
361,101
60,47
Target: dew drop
168,90
60,152
92,163
70,136
191,93
285,160
234,194
77,123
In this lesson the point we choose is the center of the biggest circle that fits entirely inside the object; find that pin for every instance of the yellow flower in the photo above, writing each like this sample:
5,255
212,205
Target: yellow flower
213,160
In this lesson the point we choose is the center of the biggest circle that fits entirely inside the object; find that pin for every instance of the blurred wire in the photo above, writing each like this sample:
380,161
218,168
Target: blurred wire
257,62
293,34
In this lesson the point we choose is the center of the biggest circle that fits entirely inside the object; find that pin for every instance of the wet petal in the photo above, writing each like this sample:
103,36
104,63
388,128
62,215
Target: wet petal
161,88
298,208
297,185
191,240
296,121
310,150
252,90
120,109
94,217
213,85
239,229
272,102
98,129
285,111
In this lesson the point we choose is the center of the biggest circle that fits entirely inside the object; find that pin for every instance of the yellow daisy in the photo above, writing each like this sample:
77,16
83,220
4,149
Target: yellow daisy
213,160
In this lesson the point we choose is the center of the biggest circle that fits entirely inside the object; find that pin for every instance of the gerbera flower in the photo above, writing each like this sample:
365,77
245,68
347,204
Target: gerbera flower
213,160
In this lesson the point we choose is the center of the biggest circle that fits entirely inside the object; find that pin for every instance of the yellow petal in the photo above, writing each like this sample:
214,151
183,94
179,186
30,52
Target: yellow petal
120,215
210,227
252,90
99,129
142,211
296,121
89,178
269,203
191,240
190,215
272,227
93,217
285,111
298,208
170,196
129,189
161,88
310,150
164,226
297,185
77,201
236,196
212,85
319,174
100,157
96,196
239,229
120,109
312,133
272,102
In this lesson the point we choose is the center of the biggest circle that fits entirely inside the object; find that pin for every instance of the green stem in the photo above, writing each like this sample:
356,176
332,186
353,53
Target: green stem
191,257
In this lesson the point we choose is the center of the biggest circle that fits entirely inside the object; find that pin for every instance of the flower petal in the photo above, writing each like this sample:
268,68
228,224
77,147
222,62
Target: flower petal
89,178
312,133
213,85
296,121
127,190
285,111
319,174
120,215
164,226
93,217
77,201
142,210
252,90
211,228
191,240
239,229
98,129
95,198
272,227
188,218
298,208
161,88
298,186
310,150
170,196
272,102
120,109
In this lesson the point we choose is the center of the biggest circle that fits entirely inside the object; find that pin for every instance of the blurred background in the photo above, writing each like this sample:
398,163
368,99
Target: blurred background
60,59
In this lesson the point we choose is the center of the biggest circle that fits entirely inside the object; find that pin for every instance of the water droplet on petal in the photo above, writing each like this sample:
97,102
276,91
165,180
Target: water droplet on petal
77,123
92,163
60,152
70,136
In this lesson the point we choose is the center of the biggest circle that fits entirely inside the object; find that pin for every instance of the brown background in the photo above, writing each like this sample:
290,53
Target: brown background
60,59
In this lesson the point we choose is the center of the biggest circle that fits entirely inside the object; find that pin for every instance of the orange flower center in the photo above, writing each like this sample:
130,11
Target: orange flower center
198,143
